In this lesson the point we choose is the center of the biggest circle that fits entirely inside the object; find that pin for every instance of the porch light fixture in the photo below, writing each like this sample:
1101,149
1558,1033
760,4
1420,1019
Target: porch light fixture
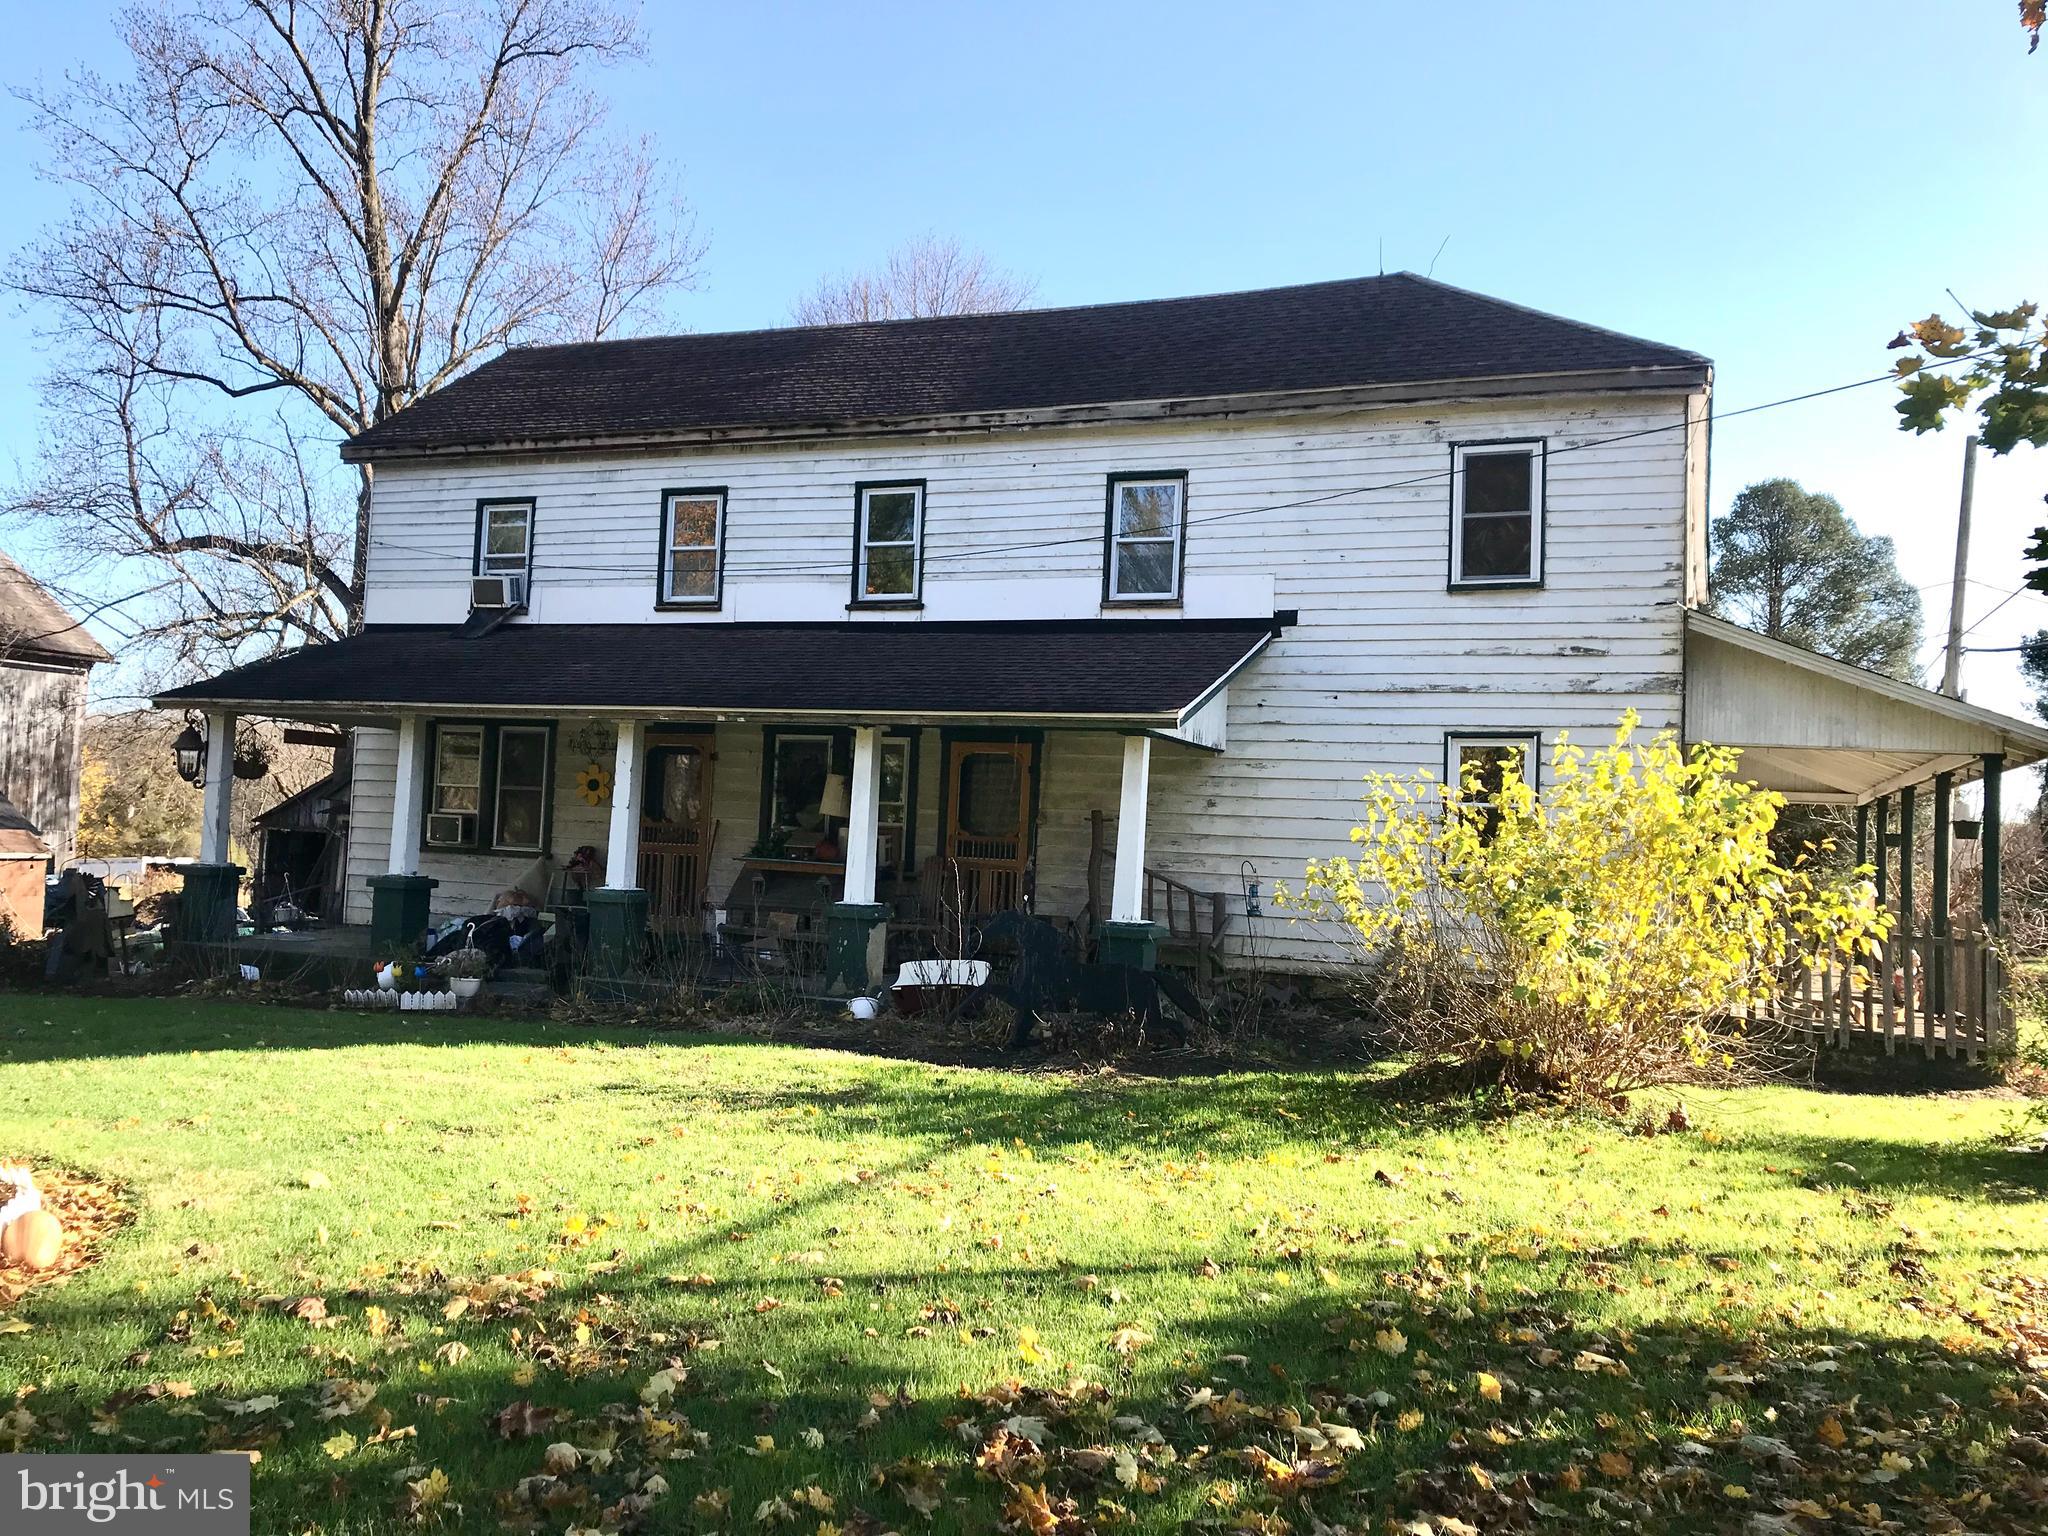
190,749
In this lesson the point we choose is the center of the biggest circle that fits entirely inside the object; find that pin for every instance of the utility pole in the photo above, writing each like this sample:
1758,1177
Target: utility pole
1952,667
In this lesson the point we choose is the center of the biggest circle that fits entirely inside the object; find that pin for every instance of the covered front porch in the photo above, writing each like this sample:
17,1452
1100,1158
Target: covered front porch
1896,760
773,831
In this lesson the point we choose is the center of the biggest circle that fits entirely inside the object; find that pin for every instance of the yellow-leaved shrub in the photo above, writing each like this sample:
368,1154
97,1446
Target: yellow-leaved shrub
1598,937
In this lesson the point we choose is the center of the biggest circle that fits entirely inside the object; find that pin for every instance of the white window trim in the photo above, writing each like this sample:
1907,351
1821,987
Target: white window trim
1117,485
1459,452
546,787
915,544
902,746
441,733
1530,744
669,550
484,557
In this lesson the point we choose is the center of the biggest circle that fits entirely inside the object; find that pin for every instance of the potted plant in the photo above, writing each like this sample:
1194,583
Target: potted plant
465,970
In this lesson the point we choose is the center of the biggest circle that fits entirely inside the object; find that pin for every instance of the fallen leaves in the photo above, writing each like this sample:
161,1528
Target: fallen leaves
89,1210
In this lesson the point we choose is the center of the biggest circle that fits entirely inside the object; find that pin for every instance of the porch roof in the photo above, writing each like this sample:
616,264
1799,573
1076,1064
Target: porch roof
1819,730
1140,674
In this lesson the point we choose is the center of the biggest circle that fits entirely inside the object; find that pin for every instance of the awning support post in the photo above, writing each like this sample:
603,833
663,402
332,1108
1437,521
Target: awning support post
1937,917
408,795
216,821
857,927
1881,818
622,857
1906,858
401,899
618,908
207,906
1862,835
1128,938
1994,772
863,816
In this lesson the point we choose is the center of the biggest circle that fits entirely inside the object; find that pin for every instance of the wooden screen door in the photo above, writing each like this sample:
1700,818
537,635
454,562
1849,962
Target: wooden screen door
675,826
988,821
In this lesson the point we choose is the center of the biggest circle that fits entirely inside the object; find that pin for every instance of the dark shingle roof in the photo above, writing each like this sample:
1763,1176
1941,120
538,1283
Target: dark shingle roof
34,625
1363,332
1124,669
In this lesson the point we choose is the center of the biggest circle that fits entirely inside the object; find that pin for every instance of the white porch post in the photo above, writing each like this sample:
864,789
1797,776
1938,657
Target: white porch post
408,796
857,927
622,856
863,816
215,817
1127,894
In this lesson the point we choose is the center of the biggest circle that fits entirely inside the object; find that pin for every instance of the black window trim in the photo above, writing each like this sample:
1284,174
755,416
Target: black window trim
1110,598
546,728
841,760
1539,454
663,602
915,597
485,839
476,555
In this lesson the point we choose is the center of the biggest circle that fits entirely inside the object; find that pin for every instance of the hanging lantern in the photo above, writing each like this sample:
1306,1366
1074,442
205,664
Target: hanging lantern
190,748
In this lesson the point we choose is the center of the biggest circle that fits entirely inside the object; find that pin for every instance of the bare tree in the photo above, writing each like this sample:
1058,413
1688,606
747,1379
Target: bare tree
294,218
928,276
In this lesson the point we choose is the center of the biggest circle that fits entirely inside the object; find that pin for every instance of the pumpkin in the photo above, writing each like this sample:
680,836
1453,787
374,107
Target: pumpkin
32,1240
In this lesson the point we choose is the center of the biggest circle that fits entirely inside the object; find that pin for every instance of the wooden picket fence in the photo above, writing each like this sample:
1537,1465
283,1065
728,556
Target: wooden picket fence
1940,993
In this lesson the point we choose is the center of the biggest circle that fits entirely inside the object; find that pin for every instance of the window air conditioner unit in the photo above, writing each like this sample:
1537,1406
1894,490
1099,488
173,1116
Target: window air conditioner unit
497,592
450,829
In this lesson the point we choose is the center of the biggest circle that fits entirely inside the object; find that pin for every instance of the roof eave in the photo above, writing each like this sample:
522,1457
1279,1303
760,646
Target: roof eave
359,712
1663,379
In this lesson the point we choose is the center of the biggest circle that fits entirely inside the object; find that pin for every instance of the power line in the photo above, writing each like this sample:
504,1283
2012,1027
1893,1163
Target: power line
838,567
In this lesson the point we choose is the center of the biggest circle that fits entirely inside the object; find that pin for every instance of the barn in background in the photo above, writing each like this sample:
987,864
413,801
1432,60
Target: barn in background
45,656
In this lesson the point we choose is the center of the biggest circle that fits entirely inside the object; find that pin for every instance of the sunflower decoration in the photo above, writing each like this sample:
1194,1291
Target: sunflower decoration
594,783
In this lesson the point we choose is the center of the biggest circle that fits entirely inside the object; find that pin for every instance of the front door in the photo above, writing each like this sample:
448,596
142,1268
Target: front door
988,822
675,827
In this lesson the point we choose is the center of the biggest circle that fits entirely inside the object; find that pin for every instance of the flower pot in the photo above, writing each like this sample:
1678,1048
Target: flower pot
465,987
1967,830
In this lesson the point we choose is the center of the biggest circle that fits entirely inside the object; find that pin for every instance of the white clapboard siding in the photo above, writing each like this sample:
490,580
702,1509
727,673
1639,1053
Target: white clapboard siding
1381,665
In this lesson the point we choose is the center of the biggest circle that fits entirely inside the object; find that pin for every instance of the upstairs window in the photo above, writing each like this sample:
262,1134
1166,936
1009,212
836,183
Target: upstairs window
888,542
692,547
504,538
1496,514
1147,526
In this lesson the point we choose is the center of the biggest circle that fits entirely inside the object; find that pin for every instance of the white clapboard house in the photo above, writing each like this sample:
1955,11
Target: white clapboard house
1100,610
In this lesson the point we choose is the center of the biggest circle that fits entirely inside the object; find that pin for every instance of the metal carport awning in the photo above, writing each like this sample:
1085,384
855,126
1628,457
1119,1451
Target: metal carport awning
1823,732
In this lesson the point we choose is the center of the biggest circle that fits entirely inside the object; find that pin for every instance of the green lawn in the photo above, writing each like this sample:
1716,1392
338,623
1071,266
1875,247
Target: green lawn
729,1274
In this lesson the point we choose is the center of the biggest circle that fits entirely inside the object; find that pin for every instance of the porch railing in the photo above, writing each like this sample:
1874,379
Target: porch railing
1944,994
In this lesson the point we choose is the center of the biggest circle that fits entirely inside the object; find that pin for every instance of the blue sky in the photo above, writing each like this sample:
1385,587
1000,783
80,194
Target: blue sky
1779,186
